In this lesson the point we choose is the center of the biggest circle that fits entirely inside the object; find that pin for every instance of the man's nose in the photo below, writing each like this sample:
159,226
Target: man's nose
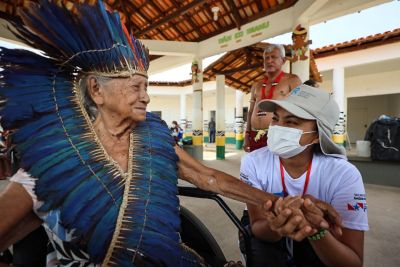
144,96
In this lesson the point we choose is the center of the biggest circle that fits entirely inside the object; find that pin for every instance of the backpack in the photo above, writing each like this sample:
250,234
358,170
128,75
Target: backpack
384,135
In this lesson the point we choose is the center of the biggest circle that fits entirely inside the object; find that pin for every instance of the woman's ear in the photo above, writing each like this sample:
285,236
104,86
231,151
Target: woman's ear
316,140
94,90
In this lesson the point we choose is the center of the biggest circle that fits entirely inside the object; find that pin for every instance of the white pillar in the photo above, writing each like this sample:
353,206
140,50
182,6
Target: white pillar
286,66
339,132
197,124
220,123
239,133
338,86
183,111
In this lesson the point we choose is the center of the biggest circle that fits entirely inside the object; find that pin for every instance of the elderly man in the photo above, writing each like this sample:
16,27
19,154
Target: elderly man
275,84
97,170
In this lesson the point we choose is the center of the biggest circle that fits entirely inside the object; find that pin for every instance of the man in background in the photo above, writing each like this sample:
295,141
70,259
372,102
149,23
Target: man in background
275,85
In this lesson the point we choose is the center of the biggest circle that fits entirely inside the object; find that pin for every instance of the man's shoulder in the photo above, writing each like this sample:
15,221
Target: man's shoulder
257,84
291,76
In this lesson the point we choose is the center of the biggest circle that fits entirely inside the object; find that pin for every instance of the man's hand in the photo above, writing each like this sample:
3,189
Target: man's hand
330,215
287,219
290,223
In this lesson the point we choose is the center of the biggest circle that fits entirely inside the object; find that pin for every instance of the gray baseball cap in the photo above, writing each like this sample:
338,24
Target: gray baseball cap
310,103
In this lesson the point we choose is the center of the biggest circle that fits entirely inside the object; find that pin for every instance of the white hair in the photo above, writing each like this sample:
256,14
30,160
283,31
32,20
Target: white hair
269,48
90,106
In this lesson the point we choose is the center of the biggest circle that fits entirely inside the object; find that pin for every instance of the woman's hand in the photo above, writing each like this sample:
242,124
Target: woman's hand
330,215
289,220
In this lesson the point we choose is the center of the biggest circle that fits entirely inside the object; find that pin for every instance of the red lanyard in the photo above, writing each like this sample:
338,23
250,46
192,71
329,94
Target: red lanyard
305,182
273,85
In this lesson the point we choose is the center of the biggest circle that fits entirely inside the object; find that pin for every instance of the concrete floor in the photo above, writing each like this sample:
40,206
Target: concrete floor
382,241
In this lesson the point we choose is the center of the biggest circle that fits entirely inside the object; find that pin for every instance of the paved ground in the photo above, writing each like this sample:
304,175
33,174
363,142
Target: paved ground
382,242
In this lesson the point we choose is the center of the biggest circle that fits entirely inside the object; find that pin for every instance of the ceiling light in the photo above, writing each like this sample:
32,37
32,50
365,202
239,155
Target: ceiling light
215,10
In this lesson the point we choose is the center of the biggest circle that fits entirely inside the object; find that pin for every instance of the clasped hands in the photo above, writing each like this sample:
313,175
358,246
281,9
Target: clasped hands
299,217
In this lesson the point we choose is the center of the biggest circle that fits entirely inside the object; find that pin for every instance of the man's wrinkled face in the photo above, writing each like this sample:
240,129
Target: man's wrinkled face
127,98
273,61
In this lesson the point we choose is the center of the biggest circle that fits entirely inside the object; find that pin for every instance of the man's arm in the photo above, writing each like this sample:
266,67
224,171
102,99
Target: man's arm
219,182
294,81
17,218
252,100
246,144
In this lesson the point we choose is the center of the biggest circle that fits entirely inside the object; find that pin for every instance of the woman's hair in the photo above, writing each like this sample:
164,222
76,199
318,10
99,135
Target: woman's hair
86,99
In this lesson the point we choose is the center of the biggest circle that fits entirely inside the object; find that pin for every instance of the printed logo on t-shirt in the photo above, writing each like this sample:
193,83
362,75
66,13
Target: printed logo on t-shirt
358,206
245,178
295,91
361,197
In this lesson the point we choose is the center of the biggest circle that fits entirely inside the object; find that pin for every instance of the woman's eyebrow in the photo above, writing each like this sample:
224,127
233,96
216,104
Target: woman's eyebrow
291,117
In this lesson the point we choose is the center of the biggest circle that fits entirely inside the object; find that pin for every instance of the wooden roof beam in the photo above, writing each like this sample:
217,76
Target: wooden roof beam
239,69
128,18
259,5
236,81
171,24
171,16
195,28
144,17
235,14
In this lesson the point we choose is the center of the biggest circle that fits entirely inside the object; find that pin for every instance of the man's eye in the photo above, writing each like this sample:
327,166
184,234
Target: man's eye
274,118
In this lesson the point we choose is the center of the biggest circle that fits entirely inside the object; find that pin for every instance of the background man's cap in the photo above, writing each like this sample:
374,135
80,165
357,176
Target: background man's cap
310,103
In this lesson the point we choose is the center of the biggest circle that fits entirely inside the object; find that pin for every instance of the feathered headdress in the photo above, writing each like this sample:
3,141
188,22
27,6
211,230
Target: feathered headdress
58,147
82,36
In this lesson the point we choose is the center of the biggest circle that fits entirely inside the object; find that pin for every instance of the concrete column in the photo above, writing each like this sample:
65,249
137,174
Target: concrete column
239,133
339,132
220,123
338,86
183,112
286,66
197,124
301,66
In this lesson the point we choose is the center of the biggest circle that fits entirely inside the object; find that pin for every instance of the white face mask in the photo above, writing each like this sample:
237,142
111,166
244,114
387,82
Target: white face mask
285,141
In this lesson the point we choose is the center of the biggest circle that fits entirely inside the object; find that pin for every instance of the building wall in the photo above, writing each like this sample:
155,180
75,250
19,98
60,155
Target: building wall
372,88
367,97
362,111
394,105
168,105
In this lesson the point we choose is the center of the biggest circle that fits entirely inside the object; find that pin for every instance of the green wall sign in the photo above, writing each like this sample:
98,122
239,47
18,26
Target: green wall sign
239,34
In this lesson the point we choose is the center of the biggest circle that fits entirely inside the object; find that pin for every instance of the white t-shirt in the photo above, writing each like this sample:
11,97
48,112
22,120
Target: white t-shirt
333,180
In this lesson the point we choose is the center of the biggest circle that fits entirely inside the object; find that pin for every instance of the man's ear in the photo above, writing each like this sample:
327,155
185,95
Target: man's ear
94,90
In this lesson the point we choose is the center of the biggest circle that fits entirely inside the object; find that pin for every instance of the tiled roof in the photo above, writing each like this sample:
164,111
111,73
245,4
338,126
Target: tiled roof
358,44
